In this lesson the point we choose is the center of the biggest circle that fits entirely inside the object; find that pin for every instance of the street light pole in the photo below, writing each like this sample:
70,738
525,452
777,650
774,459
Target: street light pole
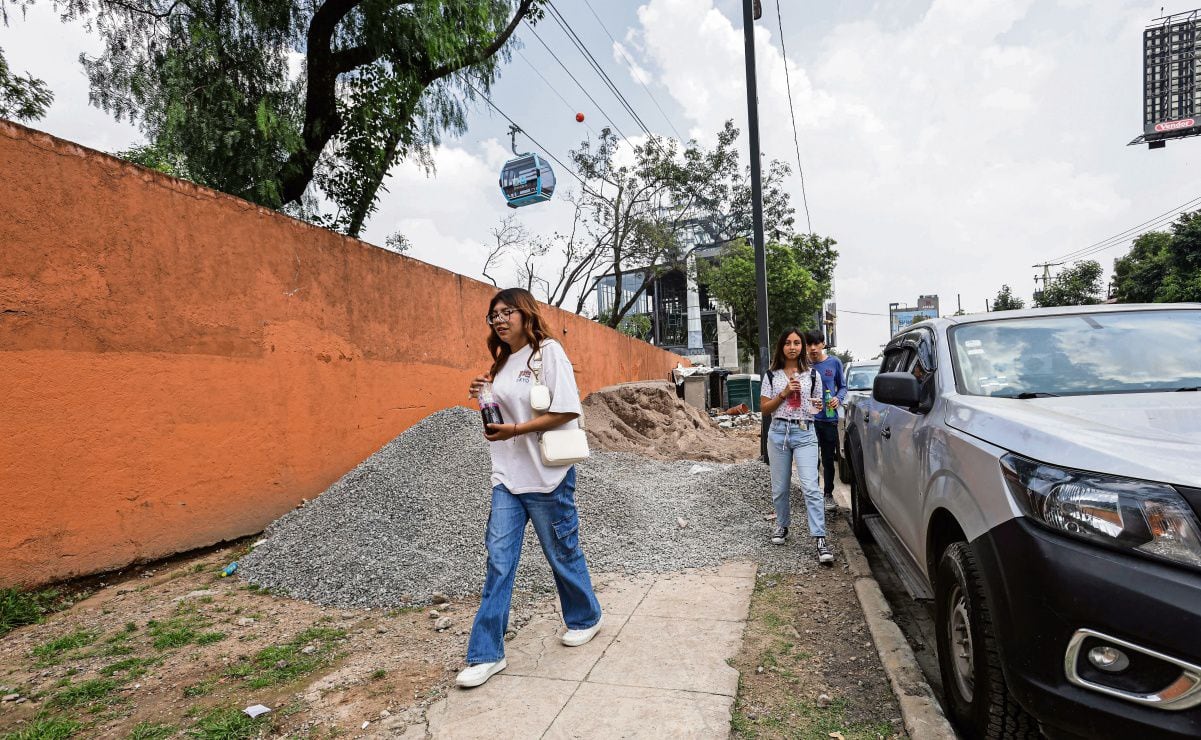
749,15
752,108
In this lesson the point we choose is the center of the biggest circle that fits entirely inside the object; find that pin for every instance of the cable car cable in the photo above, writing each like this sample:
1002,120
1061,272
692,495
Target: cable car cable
633,66
559,162
538,72
592,61
584,90
792,112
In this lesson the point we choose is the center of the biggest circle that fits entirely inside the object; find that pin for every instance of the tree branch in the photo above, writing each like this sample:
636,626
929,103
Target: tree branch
481,54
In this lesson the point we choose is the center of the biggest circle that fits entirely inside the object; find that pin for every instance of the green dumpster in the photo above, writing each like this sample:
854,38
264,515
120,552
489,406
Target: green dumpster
743,389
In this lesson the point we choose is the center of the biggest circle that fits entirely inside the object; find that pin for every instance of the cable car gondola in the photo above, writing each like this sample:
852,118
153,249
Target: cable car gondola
527,179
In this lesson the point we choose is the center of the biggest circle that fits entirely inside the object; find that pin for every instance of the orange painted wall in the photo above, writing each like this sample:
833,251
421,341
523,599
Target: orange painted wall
180,367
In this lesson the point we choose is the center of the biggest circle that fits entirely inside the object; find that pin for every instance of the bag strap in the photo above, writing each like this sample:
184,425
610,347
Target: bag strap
536,366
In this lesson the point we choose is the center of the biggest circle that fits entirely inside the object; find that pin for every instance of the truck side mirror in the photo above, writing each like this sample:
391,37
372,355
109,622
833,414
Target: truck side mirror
897,389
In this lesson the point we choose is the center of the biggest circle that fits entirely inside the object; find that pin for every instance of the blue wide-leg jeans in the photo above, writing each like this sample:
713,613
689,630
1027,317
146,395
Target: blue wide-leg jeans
557,525
789,445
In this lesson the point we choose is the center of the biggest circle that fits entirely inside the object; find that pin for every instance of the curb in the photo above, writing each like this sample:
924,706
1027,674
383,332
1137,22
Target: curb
920,710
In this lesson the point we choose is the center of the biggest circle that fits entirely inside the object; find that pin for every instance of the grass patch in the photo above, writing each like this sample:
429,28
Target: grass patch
52,651
131,667
151,731
284,663
226,724
95,692
184,629
204,688
378,674
45,728
19,608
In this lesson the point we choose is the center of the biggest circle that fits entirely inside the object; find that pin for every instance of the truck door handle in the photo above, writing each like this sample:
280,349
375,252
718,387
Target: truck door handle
886,432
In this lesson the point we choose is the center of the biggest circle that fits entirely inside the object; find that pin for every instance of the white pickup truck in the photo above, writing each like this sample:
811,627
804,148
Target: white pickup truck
1038,475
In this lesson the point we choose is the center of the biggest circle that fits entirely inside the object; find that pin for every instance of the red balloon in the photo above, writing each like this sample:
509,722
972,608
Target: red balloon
579,117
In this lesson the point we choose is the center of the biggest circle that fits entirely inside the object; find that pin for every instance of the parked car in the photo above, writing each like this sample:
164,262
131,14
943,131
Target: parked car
1038,475
858,377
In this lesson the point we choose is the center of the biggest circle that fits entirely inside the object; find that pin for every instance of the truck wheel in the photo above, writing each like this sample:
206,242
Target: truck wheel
977,698
844,469
861,505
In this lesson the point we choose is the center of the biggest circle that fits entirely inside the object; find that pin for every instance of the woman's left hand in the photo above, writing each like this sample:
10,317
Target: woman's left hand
500,432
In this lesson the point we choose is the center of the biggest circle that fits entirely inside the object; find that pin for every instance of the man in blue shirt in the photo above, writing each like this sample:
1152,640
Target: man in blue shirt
829,369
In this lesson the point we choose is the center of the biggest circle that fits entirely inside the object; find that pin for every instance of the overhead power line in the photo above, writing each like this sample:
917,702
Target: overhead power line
506,116
633,71
792,112
603,112
1130,233
553,89
600,71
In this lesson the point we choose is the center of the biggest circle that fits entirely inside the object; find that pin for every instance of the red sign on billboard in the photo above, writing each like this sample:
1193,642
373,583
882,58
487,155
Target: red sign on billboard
1175,125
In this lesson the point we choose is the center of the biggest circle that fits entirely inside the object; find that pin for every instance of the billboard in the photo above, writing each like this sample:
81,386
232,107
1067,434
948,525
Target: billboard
1171,79
899,318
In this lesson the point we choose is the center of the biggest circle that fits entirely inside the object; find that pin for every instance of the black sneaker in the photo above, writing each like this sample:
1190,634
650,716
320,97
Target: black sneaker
824,556
778,534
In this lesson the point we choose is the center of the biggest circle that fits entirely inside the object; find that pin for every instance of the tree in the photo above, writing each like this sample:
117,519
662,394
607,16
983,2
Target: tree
640,214
22,98
1006,300
845,355
1162,267
1078,285
152,156
792,293
265,100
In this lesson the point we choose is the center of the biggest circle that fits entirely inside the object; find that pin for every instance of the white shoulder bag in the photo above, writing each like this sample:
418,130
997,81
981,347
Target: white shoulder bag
559,447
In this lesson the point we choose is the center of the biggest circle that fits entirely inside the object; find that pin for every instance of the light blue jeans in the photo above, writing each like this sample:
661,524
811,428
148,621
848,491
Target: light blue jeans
788,445
558,528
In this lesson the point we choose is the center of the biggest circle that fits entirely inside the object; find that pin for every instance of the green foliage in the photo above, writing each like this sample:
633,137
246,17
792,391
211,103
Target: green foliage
184,629
22,98
94,691
1078,285
264,99
156,158
280,664
1007,301
151,731
45,727
1162,267
52,650
19,608
637,325
845,355
227,723
792,293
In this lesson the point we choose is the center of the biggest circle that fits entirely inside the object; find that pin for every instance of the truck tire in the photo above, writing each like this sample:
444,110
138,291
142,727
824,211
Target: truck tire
844,469
976,695
861,504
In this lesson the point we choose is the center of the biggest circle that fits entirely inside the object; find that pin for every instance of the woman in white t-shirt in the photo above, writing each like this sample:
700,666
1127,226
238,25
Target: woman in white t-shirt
791,392
524,488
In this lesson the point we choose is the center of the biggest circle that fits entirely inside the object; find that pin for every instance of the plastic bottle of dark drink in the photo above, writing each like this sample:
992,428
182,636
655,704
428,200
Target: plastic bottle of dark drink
489,409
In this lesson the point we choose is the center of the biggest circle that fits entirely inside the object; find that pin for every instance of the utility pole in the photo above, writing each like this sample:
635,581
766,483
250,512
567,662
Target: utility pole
752,109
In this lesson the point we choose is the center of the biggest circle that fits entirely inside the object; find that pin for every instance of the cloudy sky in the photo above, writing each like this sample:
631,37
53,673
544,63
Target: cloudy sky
947,146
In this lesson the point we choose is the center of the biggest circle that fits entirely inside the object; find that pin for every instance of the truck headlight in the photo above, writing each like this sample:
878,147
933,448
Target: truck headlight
1150,518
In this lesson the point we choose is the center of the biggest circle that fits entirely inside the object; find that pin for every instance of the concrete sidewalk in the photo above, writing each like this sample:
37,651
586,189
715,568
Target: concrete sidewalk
657,668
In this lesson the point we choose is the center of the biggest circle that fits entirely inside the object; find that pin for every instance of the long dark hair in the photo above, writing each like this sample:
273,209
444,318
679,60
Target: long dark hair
533,325
777,360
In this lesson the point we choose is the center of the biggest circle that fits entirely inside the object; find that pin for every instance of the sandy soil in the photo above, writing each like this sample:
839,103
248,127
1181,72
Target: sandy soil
648,419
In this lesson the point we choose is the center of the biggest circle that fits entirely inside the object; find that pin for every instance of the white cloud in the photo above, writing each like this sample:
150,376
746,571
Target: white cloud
946,155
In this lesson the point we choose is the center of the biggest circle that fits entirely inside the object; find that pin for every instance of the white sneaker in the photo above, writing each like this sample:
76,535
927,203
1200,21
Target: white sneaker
474,675
575,638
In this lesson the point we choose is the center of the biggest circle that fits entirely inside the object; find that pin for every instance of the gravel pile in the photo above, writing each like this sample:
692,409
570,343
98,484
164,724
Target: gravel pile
410,520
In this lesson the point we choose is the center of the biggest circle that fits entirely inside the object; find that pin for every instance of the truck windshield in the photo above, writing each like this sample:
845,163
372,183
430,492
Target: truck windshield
860,378
1076,354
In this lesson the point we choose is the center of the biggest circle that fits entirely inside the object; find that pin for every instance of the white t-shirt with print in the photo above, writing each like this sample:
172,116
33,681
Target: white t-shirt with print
517,463
775,381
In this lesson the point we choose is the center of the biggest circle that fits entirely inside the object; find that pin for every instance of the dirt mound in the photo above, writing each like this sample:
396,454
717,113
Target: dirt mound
647,419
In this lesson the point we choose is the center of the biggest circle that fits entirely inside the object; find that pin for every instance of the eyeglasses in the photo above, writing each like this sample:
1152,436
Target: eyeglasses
500,317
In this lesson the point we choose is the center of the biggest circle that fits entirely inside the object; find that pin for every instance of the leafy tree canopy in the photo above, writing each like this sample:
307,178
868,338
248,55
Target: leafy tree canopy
1162,267
792,293
1078,285
265,99
1007,301
22,98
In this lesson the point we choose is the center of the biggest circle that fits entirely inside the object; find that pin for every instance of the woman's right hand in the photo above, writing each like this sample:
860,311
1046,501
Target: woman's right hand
474,390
